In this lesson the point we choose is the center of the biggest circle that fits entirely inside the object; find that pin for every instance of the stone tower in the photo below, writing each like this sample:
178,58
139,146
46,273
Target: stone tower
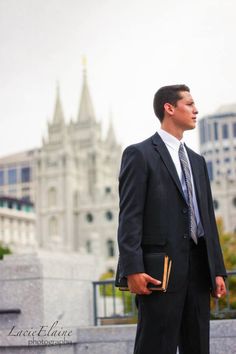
76,178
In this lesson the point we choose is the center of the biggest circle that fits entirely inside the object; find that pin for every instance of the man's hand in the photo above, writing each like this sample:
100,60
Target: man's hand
220,288
137,283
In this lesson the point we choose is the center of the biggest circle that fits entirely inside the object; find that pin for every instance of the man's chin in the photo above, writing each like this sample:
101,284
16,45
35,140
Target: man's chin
190,127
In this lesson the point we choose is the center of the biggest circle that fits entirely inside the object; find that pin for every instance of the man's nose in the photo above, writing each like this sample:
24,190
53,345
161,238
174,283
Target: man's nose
195,110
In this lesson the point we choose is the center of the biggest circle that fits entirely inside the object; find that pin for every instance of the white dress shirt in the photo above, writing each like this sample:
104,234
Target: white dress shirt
173,144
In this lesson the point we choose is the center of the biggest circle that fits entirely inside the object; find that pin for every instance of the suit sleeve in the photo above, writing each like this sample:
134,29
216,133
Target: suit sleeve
132,192
219,262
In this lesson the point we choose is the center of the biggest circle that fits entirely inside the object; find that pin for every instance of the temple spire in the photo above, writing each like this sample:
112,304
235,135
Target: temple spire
86,110
58,116
111,137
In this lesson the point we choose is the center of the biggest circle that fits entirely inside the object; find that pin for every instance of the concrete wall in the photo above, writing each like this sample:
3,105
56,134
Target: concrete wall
46,288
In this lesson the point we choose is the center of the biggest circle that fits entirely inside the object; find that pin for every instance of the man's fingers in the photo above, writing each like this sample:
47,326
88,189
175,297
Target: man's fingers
152,280
138,283
220,287
220,291
141,291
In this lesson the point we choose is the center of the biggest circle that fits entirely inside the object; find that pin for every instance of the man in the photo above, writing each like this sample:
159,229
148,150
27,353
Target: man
166,206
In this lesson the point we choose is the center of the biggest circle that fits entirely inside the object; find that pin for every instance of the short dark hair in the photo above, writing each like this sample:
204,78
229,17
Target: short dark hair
167,94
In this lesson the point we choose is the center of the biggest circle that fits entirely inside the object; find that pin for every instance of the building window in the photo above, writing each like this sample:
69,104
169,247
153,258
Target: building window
225,131
208,132
216,204
52,197
1,177
89,217
234,201
234,129
202,132
76,199
26,198
88,246
110,248
216,136
109,215
227,159
210,170
53,227
25,174
12,176
107,190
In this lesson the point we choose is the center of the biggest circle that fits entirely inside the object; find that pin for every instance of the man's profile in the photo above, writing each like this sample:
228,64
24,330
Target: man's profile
166,206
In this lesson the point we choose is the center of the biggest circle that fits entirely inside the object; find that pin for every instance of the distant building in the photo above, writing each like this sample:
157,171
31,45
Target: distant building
17,175
17,224
218,146
73,181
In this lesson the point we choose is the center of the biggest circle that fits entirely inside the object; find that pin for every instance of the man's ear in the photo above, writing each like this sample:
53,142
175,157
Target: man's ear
169,108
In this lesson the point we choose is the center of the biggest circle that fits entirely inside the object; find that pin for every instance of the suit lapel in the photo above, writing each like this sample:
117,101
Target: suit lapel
161,148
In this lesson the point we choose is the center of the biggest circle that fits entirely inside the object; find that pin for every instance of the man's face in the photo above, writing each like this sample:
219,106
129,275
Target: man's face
185,112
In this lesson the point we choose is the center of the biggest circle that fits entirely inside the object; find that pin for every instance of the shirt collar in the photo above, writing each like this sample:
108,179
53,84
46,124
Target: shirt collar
170,140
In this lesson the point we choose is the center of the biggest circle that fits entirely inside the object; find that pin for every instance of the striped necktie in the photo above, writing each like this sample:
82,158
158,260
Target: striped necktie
189,187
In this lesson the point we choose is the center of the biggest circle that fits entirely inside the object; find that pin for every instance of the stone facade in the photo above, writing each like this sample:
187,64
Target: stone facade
76,177
45,289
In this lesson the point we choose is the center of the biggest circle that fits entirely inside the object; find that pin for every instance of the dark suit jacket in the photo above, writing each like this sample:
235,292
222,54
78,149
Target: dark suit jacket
154,214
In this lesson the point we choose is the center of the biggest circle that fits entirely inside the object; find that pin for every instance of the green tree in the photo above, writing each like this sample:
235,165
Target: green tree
110,290
228,245
4,250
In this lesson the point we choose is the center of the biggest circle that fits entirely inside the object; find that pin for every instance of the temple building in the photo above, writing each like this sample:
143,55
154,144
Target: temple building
72,180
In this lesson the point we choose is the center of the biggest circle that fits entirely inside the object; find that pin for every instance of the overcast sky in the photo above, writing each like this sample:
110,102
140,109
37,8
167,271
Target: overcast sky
132,47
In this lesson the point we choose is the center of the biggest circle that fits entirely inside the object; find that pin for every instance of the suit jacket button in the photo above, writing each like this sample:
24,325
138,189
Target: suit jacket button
184,210
185,235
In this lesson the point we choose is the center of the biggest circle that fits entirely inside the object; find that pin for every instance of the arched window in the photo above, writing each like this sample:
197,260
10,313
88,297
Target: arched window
109,215
216,204
110,248
53,227
88,246
234,201
75,201
52,197
89,217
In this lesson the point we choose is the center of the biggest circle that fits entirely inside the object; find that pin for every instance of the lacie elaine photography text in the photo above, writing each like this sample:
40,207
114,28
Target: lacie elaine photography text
43,331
